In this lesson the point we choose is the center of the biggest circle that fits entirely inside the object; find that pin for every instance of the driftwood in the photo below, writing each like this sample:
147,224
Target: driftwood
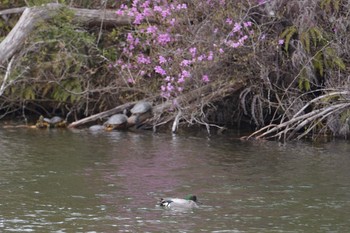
101,115
33,15
212,91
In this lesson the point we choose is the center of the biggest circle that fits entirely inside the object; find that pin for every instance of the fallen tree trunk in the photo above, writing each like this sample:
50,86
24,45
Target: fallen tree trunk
100,115
208,92
31,16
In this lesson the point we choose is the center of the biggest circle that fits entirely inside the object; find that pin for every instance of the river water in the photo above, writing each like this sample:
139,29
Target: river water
80,181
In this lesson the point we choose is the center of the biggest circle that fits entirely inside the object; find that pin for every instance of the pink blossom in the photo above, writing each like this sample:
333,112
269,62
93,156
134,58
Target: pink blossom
164,38
143,59
170,87
165,94
185,74
247,24
120,12
159,70
205,78
229,21
281,42
210,56
130,13
237,27
242,39
157,9
147,12
181,6
168,78
193,51
129,38
131,47
233,44
185,63
138,18
124,7
145,4
236,44
171,6
131,80
165,13
152,29
134,4
119,62
125,50
172,21
162,59
181,80
201,57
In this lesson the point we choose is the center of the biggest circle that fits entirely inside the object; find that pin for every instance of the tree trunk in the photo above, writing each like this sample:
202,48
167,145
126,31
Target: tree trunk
31,16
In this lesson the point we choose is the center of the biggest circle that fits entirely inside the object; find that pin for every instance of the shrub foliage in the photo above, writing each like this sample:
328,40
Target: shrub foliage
289,54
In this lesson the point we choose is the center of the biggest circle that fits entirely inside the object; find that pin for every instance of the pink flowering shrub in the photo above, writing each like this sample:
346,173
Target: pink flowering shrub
186,48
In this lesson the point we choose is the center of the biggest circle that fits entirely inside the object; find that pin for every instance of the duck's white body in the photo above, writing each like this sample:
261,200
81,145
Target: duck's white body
177,203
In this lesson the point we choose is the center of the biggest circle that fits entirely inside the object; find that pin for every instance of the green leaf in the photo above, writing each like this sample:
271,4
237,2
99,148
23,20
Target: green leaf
287,35
339,62
28,93
318,63
305,40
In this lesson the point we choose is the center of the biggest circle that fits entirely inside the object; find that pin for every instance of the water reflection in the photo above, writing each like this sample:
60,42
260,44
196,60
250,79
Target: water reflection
79,181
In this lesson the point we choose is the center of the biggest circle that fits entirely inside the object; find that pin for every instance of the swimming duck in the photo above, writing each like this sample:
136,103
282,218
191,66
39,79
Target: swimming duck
189,202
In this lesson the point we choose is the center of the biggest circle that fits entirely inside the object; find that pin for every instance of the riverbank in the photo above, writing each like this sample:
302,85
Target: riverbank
267,69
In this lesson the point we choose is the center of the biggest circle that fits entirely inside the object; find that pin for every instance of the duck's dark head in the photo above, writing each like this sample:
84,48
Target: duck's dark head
192,198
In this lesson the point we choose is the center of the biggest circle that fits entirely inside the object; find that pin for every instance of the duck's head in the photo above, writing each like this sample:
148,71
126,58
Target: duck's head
191,197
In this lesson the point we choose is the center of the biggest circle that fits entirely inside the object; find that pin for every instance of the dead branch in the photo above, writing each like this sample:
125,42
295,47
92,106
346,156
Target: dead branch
8,71
299,121
12,11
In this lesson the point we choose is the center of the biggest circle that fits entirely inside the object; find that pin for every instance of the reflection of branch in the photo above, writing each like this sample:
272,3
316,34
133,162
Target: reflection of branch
8,71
